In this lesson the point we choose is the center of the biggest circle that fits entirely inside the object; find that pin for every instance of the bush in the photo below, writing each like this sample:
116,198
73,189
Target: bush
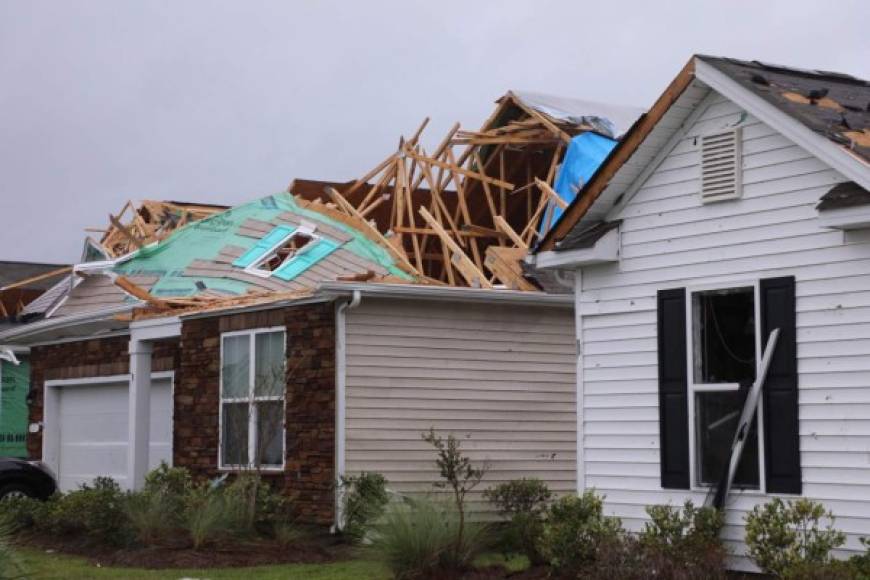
97,511
206,517
153,515
252,505
788,539
683,543
573,531
364,498
170,481
22,513
524,503
419,539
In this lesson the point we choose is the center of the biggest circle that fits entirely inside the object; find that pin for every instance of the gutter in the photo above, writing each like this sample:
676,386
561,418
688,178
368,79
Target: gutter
25,330
341,400
446,293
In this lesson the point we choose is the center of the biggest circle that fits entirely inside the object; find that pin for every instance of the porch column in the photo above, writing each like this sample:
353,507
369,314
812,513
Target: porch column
139,412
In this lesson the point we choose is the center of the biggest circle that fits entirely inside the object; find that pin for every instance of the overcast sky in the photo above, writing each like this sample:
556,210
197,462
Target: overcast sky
104,101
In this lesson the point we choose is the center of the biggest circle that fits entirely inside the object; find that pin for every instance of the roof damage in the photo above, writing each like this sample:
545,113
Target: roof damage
832,104
462,215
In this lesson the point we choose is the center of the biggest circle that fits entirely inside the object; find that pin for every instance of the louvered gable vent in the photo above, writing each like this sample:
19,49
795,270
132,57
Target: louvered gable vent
720,166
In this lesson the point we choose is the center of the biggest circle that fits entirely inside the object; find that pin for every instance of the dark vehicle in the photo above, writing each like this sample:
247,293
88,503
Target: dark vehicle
19,478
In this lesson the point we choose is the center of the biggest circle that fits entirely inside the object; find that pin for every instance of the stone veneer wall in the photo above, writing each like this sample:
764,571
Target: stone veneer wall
310,421
88,358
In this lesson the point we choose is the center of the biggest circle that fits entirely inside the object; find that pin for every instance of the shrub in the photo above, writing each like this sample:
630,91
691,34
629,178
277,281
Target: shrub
153,515
171,481
96,510
573,531
287,533
252,505
457,473
683,543
418,539
524,502
787,539
364,498
861,563
206,518
22,513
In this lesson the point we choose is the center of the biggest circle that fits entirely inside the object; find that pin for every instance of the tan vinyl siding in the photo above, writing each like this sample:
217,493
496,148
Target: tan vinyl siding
670,240
502,378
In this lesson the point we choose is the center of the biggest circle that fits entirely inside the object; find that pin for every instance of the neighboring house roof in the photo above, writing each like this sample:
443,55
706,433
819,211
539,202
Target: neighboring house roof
824,112
842,195
12,272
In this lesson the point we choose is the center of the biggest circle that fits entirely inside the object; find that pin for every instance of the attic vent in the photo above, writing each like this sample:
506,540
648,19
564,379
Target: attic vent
720,166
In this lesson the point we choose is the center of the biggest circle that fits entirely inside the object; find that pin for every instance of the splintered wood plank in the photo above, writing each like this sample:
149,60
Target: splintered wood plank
507,230
463,263
38,278
126,231
544,120
438,152
364,179
504,263
548,192
459,169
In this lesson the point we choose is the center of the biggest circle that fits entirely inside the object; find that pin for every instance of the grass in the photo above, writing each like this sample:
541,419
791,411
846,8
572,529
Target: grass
42,566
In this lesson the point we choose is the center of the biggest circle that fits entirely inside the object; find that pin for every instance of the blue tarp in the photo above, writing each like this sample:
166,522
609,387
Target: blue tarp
585,153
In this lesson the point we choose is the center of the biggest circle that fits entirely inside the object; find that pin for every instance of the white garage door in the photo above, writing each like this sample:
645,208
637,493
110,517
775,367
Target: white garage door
93,421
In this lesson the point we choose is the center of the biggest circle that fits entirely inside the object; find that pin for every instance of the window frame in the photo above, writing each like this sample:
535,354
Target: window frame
251,400
694,388
304,229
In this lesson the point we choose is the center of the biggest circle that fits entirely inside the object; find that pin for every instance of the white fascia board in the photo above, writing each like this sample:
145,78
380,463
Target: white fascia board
822,147
605,250
155,328
846,218
446,293
45,325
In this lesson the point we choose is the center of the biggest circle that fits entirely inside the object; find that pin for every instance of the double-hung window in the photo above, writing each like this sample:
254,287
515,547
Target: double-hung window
724,342
253,385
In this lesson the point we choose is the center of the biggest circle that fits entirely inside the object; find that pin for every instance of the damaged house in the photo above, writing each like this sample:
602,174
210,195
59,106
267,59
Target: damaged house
724,244
318,332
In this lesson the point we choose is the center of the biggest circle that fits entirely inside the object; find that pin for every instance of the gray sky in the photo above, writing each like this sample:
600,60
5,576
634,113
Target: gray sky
104,101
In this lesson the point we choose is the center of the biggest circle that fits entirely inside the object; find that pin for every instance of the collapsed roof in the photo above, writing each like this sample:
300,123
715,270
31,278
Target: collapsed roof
463,215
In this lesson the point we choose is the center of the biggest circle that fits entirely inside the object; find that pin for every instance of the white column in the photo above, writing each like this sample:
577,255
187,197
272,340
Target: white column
139,412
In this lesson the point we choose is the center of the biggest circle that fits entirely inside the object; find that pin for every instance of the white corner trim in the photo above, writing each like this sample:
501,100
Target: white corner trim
845,218
605,250
823,148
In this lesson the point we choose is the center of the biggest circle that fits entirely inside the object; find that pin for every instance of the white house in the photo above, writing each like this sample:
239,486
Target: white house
738,204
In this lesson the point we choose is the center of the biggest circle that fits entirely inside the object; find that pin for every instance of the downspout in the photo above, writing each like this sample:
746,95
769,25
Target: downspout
340,399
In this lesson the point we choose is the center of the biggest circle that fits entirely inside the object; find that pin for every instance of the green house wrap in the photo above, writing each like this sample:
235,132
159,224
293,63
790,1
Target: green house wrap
14,385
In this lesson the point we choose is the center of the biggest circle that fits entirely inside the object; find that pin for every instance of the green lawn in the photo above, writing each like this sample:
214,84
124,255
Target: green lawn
42,566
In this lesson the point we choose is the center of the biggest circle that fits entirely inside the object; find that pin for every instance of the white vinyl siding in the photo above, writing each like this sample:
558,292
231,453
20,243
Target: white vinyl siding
671,239
501,378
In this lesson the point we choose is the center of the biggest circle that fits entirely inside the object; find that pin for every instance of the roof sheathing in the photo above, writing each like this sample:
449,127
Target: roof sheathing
193,254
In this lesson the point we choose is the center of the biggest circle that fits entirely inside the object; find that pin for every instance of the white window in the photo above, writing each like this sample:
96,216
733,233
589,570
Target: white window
253,385
283,252
724,350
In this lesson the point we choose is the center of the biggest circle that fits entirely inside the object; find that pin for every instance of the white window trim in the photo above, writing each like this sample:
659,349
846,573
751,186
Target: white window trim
693,388
304,229
251,400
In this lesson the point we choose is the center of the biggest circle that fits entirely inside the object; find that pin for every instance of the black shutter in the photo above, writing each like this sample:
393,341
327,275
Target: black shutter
781,441
673,389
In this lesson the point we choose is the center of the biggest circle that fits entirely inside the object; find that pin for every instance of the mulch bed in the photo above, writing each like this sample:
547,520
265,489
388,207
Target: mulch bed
316,549
498,573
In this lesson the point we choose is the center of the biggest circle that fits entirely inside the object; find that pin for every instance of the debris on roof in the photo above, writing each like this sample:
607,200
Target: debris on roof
842,195
582,238
138,225
463,215
466,213
835,105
